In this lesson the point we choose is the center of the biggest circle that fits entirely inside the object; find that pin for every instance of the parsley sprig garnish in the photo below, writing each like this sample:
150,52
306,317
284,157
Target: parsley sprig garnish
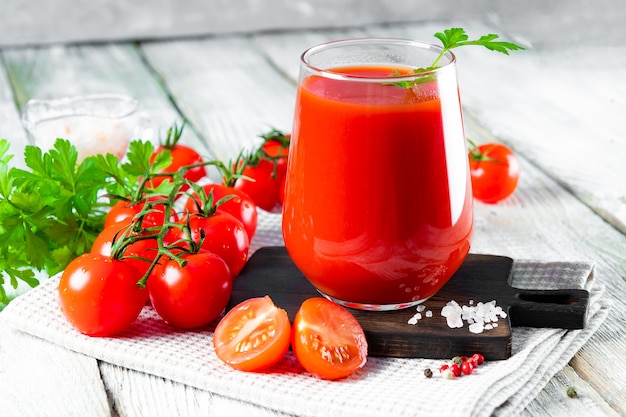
454,38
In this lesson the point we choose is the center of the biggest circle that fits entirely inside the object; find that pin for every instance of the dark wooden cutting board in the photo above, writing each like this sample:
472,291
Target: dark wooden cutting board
484,278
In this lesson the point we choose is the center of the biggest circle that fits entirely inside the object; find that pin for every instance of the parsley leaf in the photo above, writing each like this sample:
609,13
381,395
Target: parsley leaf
51,212
454,38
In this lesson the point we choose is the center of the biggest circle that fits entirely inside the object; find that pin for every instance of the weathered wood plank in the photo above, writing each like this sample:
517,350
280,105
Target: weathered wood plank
545,22
227,90
554,401
40,379
65,71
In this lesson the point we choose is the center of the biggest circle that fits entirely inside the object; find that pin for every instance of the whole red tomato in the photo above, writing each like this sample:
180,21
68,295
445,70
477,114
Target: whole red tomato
261,183
125,211
239,206
181,155
99,295
278,152
192,295
144,248
224,236
495,170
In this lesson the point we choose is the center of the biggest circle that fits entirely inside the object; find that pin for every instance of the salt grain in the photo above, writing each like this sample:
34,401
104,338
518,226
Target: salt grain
416,317
476,328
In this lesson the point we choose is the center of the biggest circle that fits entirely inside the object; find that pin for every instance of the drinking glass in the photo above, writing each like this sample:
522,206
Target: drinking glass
378,210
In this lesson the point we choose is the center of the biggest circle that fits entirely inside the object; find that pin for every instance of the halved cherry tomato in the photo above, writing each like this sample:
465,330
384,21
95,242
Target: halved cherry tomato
494,170
192,295
253,335
327,340
241,206
99,295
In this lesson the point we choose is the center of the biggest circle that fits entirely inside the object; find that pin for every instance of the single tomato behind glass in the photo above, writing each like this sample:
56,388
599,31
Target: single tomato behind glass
262,183
494,170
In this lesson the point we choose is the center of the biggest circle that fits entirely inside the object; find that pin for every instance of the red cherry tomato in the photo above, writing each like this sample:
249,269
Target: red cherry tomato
278,153
125,212
241,206
262,186
145,248
181,156
253,335
494,170
192,295
224,235
99,295
327,340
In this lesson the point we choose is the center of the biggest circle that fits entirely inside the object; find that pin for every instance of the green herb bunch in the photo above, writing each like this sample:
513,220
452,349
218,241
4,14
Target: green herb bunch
52,212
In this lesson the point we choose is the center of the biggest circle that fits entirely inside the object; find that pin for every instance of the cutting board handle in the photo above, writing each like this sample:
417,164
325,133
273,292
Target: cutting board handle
564,309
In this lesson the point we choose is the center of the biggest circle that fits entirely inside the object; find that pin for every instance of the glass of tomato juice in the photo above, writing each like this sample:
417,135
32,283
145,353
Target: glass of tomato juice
378,211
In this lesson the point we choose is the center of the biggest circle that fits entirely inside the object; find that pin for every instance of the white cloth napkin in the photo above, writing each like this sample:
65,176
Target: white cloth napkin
385,386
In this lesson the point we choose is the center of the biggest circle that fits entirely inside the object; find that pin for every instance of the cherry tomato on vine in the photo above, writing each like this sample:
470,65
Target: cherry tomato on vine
124,212
327,340
182,155
99,295
253,335
263,185
142,248
278,152
494,170
224,235
241,206
192,295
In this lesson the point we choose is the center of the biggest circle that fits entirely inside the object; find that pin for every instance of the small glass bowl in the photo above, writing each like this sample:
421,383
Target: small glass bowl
100,123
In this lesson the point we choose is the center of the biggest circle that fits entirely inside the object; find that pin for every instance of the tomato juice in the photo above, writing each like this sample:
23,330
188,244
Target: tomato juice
378,209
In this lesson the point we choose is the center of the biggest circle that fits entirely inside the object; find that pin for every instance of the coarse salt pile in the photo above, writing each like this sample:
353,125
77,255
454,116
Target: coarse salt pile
479,317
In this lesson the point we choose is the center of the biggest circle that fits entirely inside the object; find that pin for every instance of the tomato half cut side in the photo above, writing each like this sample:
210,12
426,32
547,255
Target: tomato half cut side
327,340
253,335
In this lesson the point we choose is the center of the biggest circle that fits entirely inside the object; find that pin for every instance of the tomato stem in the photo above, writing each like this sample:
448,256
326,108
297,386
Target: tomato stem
476,155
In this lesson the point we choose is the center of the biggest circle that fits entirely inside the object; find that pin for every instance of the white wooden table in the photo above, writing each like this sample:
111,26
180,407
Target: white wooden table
561,110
